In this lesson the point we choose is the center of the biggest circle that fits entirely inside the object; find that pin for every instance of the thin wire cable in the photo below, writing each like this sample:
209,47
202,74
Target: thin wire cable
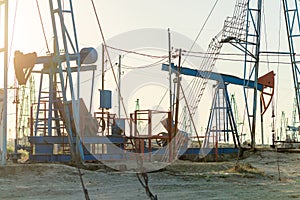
240,60
137,53
278,165
276,91
11,43
191,116
278,60
126,67
266,40
145,66
13,30
190,53
269,54
144,181
202,28
108,56
43,28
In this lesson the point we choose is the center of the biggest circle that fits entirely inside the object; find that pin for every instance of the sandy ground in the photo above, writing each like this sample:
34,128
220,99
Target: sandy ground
257,178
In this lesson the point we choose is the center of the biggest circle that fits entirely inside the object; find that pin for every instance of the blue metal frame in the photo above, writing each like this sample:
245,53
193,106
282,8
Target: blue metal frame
44,146
252,39
292,20
219,77
221,119
222,79
67,40
253,31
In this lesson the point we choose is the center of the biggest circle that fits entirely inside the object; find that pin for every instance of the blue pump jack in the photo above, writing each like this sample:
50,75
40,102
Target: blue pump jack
266,81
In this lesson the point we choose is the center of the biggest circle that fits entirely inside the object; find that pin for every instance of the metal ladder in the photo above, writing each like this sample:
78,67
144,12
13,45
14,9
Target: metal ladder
55,116
47,118
234,29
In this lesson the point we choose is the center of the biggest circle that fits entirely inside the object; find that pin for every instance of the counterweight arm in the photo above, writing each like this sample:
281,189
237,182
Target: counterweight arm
264,82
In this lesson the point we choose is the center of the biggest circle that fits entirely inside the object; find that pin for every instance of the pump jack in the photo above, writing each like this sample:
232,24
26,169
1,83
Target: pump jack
266,81
60,105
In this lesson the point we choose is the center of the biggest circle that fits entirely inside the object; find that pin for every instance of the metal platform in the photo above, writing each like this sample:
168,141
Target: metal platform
102,148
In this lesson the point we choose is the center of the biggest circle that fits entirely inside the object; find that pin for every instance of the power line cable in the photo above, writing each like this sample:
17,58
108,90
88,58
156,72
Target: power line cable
143,174
11,43
13,30
42,24
269,54
145,66
188,52
266,40
137,53
240,60
108,56
201,29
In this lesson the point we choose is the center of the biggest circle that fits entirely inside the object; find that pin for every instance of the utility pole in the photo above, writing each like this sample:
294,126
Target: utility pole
4,4
177,94
102,76
170,72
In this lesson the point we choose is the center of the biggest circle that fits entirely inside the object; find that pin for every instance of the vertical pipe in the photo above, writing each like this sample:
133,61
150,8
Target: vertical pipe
177,95
130,125
217,147
3,156
173,98
51,103
149,132
102,78
170,71
261,124
119,87
68,76
102,88
218,123
248,21
256,67
169,125
136,133
92,91
31,129
74,27
78,58
17,117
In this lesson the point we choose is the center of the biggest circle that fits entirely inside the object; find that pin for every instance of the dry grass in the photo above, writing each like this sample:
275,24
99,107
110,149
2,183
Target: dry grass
245,168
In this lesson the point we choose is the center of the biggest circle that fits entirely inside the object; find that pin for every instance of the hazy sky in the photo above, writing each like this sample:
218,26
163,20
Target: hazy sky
120,16
185,17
